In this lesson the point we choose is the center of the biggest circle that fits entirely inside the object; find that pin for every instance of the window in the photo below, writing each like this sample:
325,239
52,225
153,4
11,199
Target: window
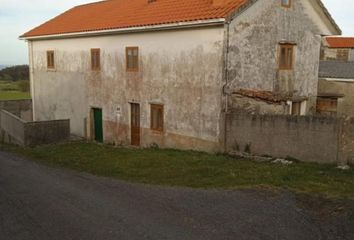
132,58
95,59
50,60
157,117
286,56
286,3
327,106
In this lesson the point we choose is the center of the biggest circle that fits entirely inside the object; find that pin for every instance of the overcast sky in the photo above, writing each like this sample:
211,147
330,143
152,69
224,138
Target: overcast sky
19,16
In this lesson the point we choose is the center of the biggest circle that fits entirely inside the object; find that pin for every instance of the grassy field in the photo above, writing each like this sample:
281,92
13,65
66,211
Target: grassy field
192,169
12,90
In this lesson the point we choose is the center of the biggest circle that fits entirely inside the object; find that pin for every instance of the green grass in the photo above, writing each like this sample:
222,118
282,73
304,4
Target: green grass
14,95
11,91
191,169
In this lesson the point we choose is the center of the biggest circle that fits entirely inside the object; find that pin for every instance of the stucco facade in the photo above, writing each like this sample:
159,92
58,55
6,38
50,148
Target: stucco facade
182,70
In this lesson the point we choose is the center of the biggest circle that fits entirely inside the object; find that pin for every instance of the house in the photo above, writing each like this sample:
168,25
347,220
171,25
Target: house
336,88
338,48
164,72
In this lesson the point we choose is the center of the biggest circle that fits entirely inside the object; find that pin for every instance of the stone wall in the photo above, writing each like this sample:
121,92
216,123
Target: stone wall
306,138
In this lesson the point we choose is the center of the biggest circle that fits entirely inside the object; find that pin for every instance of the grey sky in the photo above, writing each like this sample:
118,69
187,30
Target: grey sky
19,16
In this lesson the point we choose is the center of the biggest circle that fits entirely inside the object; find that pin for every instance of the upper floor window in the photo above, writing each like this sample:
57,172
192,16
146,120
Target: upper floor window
286,3
286,56
132,58
50,60
95,59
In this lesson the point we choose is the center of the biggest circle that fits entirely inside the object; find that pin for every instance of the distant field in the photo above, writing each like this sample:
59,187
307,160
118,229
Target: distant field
14,90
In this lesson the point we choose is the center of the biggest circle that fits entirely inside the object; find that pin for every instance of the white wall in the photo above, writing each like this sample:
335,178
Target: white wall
181,69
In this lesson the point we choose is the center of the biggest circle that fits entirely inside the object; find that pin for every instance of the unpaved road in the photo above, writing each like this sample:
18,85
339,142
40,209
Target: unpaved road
37,202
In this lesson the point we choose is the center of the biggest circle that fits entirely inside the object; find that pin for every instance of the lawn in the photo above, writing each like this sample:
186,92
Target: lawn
12,90
191,169
14,95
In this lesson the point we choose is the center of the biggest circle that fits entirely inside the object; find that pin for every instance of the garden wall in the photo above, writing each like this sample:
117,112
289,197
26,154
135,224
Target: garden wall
307,138
15,130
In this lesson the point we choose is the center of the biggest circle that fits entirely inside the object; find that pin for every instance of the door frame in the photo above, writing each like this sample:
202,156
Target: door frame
131,104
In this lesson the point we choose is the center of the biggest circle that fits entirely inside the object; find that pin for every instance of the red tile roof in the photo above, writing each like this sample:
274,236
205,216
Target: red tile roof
340,42
116,14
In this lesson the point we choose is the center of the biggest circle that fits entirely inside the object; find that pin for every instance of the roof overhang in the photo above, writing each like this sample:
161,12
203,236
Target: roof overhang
328,19
338,79
159,27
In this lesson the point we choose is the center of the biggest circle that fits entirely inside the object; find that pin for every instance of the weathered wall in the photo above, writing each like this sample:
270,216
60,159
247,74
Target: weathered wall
306,138
345,88
180,69
254,49
346,54
21,108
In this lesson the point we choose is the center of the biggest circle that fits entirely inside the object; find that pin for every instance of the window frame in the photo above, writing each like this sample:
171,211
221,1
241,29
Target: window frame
286,5
287,65
96,52
50,60
157,108
128,68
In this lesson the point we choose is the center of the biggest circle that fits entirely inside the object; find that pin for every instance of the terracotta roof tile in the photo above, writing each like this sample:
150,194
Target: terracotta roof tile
267,96
115,14
340,42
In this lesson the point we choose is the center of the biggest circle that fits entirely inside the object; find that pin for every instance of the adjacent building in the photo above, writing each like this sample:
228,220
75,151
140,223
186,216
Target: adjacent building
336,89
164,72
338,48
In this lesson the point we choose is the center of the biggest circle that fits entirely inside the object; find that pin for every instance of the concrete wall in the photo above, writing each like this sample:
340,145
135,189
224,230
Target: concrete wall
12,128
17,131
345,88
254,49
21,108
180,69
47,132
306,138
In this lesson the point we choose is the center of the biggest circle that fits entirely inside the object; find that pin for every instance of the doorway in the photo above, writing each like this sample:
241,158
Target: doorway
98,124
135,124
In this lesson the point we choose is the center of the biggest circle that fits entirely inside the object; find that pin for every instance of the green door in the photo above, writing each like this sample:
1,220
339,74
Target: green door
97,115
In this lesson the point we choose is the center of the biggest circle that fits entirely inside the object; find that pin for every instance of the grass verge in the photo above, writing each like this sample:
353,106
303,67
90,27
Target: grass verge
14,95
191,169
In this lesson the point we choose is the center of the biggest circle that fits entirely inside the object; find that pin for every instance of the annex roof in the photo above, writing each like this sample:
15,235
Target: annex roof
340,42
336,69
